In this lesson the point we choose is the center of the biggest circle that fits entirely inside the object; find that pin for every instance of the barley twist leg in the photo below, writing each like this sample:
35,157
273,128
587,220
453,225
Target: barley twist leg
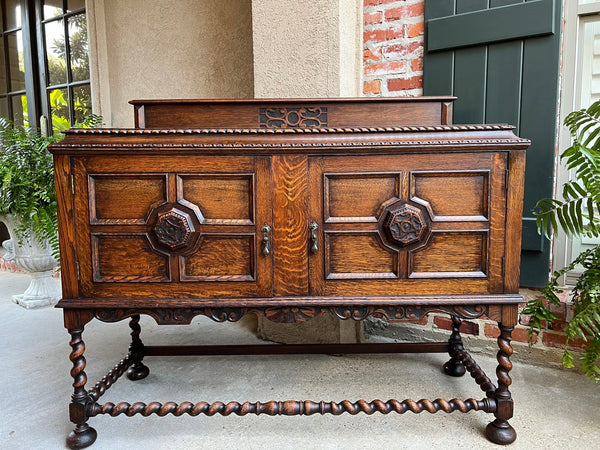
455,367
137,370
83,435
500,431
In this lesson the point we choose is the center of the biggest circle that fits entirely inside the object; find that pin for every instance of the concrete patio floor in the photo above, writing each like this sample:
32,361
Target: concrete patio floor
554,409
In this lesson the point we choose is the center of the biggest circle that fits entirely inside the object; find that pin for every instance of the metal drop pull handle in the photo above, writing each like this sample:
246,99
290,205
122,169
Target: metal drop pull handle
314,239
266,240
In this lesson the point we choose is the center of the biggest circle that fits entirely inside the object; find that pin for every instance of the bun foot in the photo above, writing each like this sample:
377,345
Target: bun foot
454,369
138,372
500,432
81,437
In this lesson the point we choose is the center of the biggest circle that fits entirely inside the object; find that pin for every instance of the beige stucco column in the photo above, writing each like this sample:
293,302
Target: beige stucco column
308,49
145,49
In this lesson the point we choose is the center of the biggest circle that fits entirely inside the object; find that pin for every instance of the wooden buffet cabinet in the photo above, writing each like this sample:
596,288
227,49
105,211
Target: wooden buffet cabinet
290,209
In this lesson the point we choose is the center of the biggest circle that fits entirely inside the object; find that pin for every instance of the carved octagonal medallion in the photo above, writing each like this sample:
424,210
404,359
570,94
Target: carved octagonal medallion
403,224
173,228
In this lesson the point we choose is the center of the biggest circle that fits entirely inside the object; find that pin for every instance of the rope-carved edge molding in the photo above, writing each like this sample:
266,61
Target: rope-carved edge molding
284,145
310,130
290,314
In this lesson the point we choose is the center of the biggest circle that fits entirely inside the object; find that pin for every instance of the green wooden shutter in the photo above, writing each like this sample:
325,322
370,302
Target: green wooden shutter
501,59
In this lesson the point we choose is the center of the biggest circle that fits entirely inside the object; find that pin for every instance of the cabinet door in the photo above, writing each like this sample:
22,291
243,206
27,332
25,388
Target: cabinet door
421,224
176,227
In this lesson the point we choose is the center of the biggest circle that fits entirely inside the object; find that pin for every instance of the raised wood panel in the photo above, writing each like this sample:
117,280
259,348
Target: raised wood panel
223,199
451,255
127,259
352,255
221,258
118,198
453,195
357,197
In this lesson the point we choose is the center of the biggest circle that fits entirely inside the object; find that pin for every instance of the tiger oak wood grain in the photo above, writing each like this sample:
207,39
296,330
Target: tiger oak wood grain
290,225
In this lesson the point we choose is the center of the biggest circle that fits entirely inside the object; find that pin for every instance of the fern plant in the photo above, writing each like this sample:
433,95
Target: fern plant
27,180
578,214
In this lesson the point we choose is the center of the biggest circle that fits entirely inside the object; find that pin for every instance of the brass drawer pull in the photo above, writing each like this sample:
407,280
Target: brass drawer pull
266,240
314,240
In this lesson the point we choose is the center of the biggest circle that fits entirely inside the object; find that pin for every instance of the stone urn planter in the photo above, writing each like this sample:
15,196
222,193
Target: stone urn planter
36,258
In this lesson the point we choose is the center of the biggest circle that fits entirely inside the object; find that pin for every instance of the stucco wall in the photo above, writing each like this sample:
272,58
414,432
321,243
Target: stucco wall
302,51
174,49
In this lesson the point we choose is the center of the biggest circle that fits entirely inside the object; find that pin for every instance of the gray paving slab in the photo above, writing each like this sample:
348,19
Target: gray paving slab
555,409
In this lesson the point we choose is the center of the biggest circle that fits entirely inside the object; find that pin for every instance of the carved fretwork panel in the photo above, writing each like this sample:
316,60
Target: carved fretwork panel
293,117
292,314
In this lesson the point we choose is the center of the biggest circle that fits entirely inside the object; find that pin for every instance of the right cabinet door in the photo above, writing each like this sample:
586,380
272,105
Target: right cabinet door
408,224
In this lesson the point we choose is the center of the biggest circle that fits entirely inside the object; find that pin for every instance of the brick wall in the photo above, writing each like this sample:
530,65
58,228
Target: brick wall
393,43
393,47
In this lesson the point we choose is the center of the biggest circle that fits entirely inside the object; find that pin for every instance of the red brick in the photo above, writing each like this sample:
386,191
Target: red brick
418,9
403,84
386,68
372,87
386,34
560,311
416,65
491,330
398,51
521,334
422,321
524,319
558,325
416,29
370,19
446,324
556,340
372,55
377,2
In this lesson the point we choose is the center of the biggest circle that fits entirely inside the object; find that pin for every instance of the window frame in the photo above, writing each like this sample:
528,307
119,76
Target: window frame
576,13
35,55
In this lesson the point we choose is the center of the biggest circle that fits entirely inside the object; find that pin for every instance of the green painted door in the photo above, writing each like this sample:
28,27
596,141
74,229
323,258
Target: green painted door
501,59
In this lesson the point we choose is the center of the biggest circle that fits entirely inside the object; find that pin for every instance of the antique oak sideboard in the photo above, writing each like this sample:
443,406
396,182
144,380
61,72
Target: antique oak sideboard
290,209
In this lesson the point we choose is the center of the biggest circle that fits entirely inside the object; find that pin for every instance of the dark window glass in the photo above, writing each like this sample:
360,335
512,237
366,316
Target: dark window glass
19,108
82,100
3,107
78,44
75,5
3,89
54,36
12,14
16,65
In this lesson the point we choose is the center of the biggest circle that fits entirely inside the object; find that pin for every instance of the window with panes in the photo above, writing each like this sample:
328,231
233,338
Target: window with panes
44,62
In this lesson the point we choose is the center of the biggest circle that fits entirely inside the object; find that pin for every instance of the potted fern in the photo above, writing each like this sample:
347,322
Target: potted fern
577,214
28,207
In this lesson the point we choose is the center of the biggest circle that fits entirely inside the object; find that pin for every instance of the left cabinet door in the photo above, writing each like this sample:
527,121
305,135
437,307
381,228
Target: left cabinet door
173,227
